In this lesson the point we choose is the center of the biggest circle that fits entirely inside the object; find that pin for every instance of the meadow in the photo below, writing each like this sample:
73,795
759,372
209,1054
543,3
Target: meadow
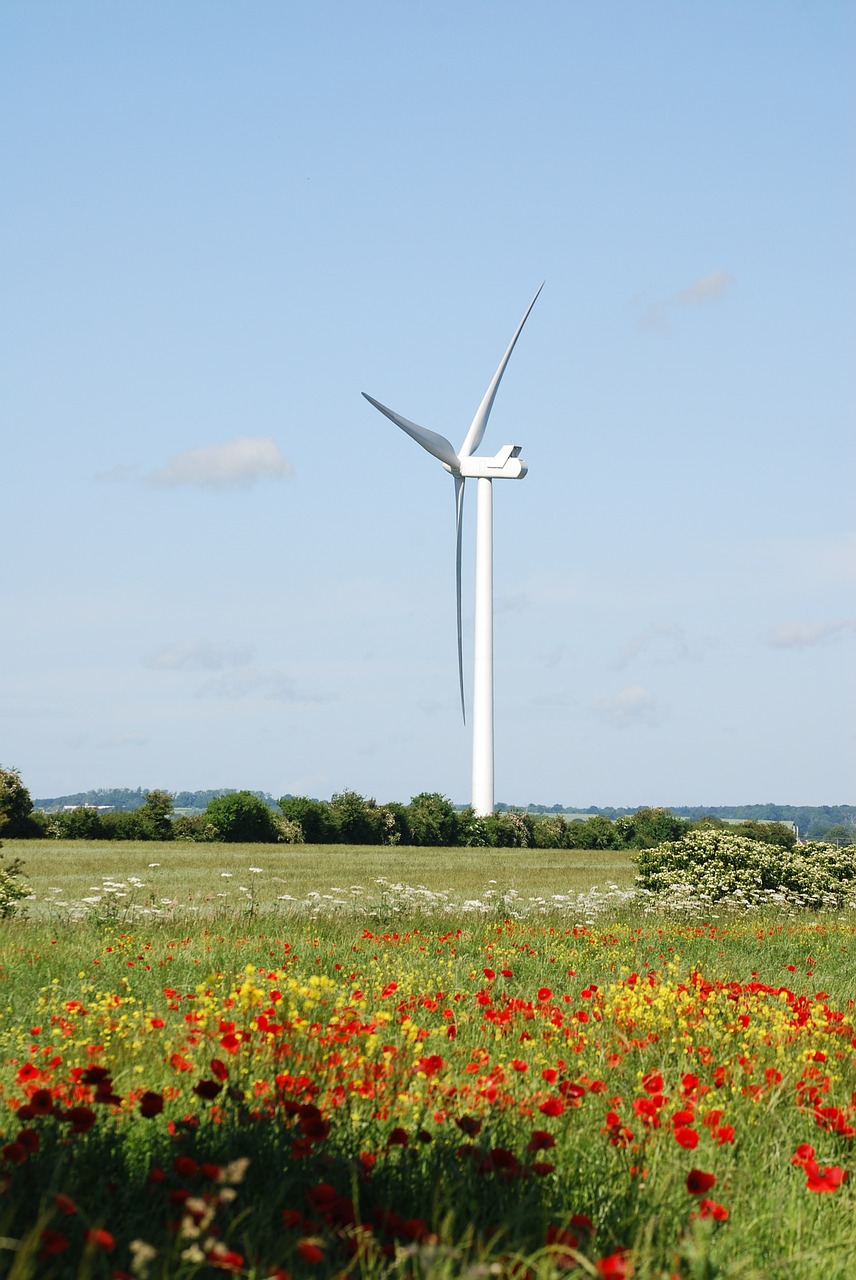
523,1079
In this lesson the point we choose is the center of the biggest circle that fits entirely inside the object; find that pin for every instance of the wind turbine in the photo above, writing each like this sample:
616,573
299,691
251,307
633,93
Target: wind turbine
463,465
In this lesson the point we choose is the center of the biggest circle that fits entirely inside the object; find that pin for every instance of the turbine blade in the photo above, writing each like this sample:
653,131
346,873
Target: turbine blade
477,426
438,445
459,528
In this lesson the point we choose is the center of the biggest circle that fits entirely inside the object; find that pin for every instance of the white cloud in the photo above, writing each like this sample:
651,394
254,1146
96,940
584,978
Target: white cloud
662,644
800,635
119,473
243,681
235,464
702,292
708,289
632,705
199,655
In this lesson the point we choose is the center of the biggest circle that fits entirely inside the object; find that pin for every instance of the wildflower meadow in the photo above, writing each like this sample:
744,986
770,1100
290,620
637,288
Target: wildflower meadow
391,1080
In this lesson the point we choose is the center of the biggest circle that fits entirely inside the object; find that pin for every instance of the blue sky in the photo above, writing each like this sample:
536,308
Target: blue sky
222,222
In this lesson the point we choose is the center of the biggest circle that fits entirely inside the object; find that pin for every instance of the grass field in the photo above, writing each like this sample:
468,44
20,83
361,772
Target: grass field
289,1095
209,876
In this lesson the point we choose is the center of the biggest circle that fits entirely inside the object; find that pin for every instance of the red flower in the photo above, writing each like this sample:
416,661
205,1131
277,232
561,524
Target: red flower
540,1141
309,1251
65,1204
398,1138
519,1065
151,1104
291,1217
829,1178
544,993
541,1168
14,1153
490,974
618,1266
552,1107
185,1166
81,1119
101,1239
653,1082
711,1209
207,1089
804,1155
699,1183
41,1102
219,1069
468,1125
687,1138
52,1242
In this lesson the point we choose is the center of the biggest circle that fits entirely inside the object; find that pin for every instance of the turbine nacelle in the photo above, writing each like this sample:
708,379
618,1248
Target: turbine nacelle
505,465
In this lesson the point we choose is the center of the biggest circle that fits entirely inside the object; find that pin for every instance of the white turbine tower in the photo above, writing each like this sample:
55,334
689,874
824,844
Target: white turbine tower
505,465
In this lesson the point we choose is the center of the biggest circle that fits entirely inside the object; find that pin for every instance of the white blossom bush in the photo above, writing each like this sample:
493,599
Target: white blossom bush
714,866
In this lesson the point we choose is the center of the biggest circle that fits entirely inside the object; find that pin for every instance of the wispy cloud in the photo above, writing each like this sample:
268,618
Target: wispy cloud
119,473
235,464
247,681
199,655
801,635
658,315
126,740
631,706
661,644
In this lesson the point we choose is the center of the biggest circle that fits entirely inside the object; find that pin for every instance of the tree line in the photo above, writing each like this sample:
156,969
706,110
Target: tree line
430,819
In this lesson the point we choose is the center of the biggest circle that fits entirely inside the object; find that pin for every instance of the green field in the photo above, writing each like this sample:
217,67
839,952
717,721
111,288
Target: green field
214,877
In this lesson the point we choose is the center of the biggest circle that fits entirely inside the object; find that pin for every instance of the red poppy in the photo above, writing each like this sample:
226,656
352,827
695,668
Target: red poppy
711,1209
207,1089
829,1178
81,1119
541,1168
468,1125
101,1239
398,1138
185,1166
291,1217
490,974
65,1204
686,1138
41,1102
219,1069
617,1266
309,1251
151,1104
699,1183
52,1242
653,1082
519,1065
540,1141
544,993
14,1153
552,1107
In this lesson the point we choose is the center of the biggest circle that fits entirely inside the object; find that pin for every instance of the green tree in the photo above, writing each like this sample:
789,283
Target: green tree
15,805
647,828
241,818
155,816
512,829
432,819
766,832
81,823
313,816
358,820
839,835
552,832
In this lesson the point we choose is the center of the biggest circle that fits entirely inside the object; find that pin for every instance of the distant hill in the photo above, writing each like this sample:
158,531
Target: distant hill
128,798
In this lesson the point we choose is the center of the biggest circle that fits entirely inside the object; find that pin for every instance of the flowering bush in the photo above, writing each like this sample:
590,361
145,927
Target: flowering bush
714,865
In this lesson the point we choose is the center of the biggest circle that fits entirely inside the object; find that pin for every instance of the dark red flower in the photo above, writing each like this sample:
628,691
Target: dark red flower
699,1183
398,1138
151,1104
309,1251
52,1242
207,1089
